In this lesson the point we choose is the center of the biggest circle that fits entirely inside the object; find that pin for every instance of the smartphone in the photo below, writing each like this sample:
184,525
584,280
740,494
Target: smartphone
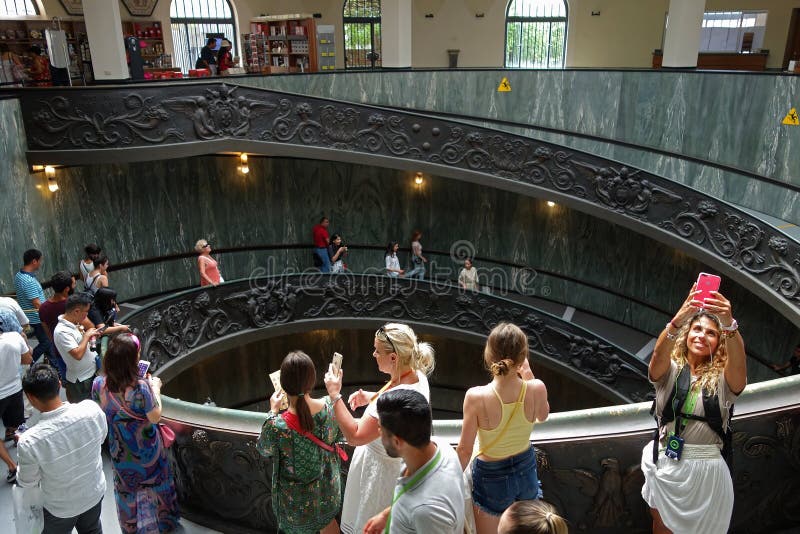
706,283
102,330
337,362
144,365
276,383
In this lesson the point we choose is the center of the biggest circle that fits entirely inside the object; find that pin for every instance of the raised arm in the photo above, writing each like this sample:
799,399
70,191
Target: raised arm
355,432
659,363
736,366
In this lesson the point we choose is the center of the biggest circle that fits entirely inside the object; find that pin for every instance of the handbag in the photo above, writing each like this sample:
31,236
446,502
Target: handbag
293,423
167,434
28,509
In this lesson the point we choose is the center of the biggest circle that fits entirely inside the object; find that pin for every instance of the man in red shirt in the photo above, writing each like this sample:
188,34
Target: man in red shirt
63,285
319,234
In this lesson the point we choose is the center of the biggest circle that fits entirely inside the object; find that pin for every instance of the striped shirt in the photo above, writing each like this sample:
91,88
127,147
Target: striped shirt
28,288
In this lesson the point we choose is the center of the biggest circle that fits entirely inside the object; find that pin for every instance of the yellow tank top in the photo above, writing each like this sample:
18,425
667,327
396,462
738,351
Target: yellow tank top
516,438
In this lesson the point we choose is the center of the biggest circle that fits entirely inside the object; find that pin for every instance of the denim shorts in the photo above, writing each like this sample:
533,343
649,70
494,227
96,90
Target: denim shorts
497,485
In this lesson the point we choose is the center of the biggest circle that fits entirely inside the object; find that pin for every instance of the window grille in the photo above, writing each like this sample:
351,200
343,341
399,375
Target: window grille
191,20
733,31
362,34
536,32
17,8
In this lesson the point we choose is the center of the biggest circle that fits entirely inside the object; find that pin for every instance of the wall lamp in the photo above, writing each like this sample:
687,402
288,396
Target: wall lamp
551,204
243,168
418,179
50,172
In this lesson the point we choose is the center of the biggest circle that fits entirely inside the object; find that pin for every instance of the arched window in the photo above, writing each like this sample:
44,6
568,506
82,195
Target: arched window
192,21
536,32
18,8
362,34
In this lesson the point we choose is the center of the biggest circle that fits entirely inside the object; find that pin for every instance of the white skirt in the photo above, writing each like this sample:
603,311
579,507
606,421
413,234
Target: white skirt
694,494
370,485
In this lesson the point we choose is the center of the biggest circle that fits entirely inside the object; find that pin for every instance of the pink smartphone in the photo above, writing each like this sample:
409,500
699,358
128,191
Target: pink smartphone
706,283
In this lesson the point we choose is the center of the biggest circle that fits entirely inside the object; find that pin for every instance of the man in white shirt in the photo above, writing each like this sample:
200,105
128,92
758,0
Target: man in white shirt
429,496
61,454
72,342
13,352
12,306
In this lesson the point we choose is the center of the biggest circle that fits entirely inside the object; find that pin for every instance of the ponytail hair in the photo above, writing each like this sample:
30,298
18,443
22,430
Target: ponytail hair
403,341
533,517
506,348
502,368
298,377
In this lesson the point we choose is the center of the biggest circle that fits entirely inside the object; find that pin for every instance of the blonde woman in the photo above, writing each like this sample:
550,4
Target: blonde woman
206,265
532,517
373,473
699,358
501,414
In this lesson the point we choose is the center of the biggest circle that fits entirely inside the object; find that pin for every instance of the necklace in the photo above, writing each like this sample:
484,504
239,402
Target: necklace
391,384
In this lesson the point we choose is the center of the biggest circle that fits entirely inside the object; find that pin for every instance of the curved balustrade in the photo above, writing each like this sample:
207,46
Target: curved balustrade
512,280
94,125
588,464
588,459
179,331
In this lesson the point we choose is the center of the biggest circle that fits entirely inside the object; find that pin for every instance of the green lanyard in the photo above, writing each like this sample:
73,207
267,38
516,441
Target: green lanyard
688,406
419,475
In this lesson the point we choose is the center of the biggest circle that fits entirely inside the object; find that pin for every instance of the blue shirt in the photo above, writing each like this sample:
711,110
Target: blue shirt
28,288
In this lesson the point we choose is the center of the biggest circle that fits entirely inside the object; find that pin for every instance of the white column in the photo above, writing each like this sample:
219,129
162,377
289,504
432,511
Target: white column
104,29
682,37
396,33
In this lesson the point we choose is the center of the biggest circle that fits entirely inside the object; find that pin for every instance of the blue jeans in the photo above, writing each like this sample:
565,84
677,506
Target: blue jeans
417,272
322,254
497,485
44,342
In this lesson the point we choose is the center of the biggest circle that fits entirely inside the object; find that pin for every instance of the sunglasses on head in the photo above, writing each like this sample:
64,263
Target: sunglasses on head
382,332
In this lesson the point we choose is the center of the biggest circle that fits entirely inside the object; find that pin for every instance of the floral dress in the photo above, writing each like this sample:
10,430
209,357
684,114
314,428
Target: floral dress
143,485
306,480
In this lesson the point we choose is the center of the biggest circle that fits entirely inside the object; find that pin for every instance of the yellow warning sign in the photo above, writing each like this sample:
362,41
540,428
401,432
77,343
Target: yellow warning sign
791,118
504,86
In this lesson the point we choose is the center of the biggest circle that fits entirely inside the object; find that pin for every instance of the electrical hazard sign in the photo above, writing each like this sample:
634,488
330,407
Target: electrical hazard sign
791,118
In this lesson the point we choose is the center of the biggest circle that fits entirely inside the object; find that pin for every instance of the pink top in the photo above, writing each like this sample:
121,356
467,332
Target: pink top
212,271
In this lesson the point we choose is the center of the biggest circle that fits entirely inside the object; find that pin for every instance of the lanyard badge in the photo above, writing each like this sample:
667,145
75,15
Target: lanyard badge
675,442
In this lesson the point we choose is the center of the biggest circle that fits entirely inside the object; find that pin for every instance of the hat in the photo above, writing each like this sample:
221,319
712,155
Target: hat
226,43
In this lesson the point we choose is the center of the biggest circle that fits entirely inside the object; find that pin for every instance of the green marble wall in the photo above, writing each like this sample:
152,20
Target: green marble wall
728,118
162,207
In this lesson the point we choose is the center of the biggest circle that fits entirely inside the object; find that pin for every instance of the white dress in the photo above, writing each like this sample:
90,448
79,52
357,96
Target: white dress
373,474
694,494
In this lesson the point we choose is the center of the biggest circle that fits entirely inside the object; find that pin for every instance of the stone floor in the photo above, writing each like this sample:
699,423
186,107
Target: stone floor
108,515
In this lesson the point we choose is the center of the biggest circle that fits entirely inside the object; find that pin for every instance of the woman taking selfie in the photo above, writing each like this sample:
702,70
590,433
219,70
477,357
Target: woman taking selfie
373,473
502,414
306,476
143,484
698,370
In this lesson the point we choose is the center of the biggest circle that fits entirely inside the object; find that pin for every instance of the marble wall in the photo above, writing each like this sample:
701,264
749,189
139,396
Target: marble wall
162,207
728,118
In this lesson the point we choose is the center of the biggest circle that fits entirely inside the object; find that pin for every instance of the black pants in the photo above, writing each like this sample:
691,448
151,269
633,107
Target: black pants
87,523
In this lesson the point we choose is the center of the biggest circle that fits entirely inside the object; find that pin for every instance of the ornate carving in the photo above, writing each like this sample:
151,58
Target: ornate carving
743,243
218,113
226,475
776,502
113,118
174,328
614,493
626,190
64,123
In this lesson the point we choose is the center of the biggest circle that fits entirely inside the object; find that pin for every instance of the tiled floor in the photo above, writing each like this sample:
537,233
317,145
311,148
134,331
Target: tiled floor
109,513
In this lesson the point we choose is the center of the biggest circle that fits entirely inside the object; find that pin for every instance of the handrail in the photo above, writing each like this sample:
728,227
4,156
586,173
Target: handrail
303,246
626,144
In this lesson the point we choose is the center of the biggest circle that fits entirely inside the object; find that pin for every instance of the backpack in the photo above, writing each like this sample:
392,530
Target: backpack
713,414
